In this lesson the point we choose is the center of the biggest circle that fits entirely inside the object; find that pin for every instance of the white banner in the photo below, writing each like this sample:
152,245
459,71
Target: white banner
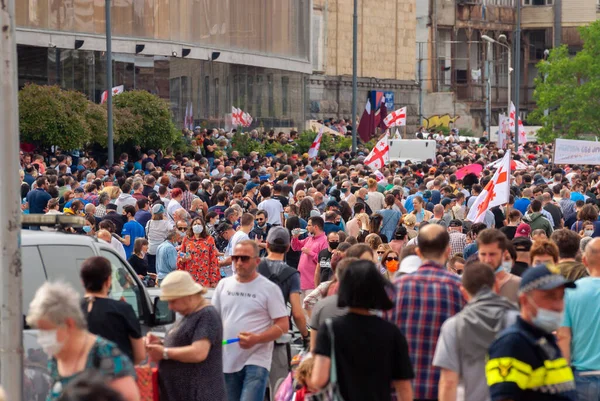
573,151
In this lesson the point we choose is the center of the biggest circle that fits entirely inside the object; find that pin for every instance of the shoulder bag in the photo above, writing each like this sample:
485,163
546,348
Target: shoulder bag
331,392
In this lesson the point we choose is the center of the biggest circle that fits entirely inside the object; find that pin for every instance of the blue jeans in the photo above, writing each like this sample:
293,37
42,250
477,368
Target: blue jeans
588,387
249,384
211,164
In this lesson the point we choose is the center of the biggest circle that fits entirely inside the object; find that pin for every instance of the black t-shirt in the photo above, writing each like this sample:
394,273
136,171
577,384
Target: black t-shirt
556,214
282,199
324,259
139,265
114,320
208,142
369,348
509,231
519,268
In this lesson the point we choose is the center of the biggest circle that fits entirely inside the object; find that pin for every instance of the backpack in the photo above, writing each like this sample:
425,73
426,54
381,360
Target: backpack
281,278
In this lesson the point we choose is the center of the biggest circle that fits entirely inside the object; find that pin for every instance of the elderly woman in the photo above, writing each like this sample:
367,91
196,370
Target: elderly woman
55,311
191,356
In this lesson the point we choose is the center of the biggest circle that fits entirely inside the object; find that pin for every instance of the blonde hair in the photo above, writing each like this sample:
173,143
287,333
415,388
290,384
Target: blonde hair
410,220
304,370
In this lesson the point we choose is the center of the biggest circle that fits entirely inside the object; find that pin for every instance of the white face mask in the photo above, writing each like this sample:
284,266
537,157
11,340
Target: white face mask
588,233
47,340
197,229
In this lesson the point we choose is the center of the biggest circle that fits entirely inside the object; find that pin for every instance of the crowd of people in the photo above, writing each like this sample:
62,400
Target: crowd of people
392,291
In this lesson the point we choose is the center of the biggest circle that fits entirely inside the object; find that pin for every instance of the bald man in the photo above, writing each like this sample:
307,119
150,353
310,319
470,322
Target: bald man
105,236
579,334
421,322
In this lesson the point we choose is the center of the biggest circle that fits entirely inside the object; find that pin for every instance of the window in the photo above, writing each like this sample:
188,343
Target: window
259,95
285,83
206,96
271,96
216,109
33,274
124,287
250,94
538,2
63,262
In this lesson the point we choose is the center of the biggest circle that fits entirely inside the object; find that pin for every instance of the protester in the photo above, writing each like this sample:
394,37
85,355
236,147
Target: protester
310,248
465,337
190,356
365,345
113,320
56,312
198,255
578,336
257,324
421,321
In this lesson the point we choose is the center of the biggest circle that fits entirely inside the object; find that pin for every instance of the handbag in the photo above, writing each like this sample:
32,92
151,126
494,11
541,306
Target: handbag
147,382
331,392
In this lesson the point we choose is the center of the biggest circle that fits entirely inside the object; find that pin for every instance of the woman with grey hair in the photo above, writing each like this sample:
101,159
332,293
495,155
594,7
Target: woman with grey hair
56,312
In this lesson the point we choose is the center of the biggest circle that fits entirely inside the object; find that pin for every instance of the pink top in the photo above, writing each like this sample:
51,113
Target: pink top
308,262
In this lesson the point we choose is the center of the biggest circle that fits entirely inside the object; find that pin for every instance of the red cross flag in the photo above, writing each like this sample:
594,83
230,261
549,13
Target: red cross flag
396,118
495,193
246,119
115,91
380,155
313,151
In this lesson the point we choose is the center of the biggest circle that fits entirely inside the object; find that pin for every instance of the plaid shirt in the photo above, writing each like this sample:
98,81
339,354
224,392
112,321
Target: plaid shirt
458,242
423,301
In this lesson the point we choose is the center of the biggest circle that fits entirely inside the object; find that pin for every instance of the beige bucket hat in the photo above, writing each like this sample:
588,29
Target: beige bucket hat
179,284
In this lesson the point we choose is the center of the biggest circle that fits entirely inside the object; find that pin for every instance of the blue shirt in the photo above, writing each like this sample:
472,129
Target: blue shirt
521,205
389,222
38,200
575,196
134,230
142,217
583,321
166,259
408,203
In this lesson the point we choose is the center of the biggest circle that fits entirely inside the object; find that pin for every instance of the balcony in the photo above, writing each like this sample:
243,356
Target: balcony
497,16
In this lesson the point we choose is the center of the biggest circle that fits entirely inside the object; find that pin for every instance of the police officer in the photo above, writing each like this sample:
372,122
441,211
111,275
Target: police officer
525,362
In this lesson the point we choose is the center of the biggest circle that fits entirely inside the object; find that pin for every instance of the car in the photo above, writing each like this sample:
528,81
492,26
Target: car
49,255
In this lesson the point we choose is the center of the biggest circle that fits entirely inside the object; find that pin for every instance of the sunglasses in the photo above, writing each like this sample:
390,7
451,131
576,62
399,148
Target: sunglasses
380,252
260,220
182,228
243,258
390,258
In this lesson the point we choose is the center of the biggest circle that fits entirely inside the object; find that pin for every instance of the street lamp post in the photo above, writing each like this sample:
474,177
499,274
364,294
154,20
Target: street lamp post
109,84
502,41
354,73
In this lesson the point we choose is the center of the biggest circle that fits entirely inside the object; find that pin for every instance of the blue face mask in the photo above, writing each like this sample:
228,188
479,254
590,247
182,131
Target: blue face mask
286,215
505,266
87,229
546,319
366,197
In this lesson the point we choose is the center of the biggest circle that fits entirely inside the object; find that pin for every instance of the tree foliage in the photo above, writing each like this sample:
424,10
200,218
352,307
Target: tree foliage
569,88
156,129
50,116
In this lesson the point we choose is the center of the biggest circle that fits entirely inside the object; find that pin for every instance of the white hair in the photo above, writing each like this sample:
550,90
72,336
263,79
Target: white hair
56,302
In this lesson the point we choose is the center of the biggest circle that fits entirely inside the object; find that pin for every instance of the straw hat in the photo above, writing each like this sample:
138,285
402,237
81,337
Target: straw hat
179,284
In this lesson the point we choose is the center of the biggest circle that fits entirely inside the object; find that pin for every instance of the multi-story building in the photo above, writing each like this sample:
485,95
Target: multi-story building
207,54
386,50
451,54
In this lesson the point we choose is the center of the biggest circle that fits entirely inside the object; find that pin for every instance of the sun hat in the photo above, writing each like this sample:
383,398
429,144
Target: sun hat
179,284
410,264
158,208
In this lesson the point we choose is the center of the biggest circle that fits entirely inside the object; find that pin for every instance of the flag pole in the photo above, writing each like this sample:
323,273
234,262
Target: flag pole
109,84
354,73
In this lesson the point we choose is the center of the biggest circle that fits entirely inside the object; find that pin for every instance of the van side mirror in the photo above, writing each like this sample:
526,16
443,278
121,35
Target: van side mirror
161,313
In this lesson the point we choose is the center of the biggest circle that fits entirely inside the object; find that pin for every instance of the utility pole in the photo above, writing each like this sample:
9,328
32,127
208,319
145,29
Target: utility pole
11,314
488,91
517,45
354,73
109,85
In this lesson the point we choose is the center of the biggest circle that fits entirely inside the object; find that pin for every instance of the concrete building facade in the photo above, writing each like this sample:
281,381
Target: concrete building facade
386,53
452,60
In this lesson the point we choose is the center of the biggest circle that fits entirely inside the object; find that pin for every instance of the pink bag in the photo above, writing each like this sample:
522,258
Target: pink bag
285,392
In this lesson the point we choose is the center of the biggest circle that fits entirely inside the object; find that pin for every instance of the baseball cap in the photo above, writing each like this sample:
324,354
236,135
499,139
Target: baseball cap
333,203
158,209
543,277
455,223
78,190
410,264
278,236
522,244
251,185
174,167
427,194
446,201
401,232
111,206
523,230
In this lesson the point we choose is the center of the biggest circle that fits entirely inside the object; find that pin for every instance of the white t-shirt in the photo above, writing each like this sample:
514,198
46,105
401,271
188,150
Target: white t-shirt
376,201
237,237
247,307
118,246
172,207
274,209
157,231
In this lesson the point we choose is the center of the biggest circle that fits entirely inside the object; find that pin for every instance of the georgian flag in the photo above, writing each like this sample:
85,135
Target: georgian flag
313,151
511,119
396,118
380,155
115,91
495,193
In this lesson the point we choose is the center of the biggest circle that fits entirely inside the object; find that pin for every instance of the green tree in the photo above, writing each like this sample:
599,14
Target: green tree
156,129
50,116
569,88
